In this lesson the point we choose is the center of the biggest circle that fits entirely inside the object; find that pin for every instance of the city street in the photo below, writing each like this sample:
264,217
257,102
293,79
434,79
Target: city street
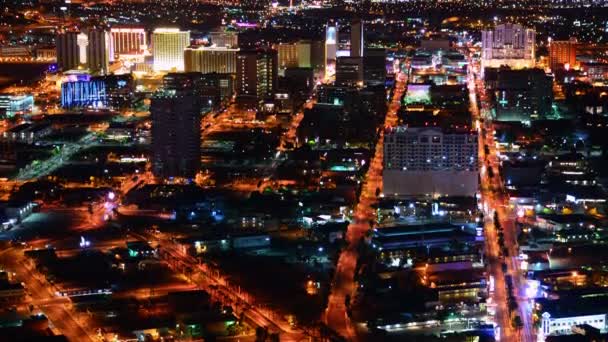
495,199
43,297
336,314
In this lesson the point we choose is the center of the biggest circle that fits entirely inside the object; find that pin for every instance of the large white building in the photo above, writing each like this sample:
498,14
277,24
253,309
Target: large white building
210,59
562,324
168,45
430,161
508,44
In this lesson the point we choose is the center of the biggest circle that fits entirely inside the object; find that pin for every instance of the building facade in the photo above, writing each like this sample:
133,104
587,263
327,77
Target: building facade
349,71
523,95
562,54
98,51
430,161
257,76
111,91
374,67
176,134
168,47
223,38
11,105
357,40
294,55
331,46
562,325
127,41
210,59
67,50
214,89
510,45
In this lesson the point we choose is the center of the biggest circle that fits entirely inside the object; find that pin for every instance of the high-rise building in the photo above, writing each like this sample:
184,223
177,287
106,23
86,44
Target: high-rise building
317,56
257,73
294,55
98,50
210,59
430,161
349,71
331,45
176,134
510,45
127,41
168,45
374,66
562,54
523,95
213,88
357,40
67,50
287,54
304,50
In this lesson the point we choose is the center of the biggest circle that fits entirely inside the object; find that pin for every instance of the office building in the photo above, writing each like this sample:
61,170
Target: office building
98,51
523,95
67,50
430,161
11,105
357,40
168,47
374,66
223,38
257,73
127,41
317,56
510,45
176,134
210,59
562,54
213,88
349,71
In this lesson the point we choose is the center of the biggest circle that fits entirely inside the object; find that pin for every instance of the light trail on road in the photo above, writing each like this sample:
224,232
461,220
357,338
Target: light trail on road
493,194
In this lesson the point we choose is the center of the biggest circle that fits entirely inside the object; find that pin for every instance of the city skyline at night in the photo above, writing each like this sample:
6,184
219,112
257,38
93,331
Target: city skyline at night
303,170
